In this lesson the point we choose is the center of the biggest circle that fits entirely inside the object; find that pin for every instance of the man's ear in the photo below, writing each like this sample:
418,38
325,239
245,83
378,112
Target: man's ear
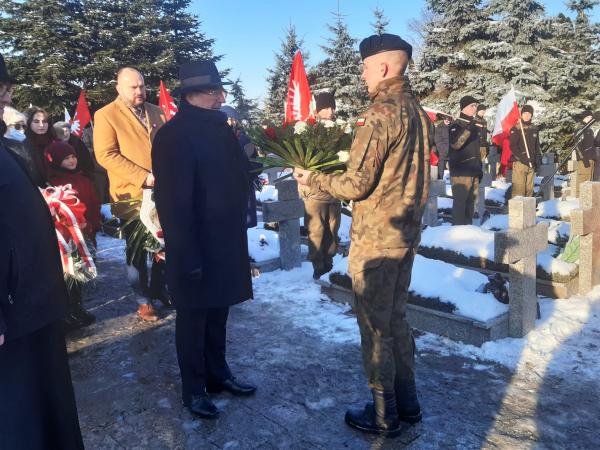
384,69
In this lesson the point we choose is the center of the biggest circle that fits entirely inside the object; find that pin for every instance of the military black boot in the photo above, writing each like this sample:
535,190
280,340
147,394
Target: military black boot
407,402
379,417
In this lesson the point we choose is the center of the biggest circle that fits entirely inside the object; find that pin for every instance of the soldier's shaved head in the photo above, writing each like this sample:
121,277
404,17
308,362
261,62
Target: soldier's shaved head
381,66
131,87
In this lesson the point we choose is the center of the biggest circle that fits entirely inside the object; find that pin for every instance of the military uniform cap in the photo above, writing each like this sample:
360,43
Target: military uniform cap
383,43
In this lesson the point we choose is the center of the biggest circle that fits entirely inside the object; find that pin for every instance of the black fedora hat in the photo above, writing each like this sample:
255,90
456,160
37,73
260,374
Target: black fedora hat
197,76
4,76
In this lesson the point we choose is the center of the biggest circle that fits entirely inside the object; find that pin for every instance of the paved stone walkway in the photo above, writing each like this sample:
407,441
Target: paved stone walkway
127,386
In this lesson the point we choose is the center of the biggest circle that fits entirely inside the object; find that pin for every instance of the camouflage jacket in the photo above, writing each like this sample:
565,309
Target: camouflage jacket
387,173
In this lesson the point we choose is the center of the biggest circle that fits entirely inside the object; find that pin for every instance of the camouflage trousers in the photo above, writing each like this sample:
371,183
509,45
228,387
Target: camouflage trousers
322,222
523,178
380,295
464,195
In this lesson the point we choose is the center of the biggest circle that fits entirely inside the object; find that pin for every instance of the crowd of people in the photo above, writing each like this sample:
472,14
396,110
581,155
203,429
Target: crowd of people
198,166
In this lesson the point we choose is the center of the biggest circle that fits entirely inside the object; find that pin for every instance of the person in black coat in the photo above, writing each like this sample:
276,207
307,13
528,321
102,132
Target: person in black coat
586,152
465,162
37,403
201,194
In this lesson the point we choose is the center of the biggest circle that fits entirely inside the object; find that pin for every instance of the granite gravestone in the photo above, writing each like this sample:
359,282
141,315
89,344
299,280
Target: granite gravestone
547,170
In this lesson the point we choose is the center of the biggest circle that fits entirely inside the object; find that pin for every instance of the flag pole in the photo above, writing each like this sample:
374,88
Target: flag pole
523,134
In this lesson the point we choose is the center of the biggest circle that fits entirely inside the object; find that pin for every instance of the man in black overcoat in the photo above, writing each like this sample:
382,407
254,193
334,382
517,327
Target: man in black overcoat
37,404
201,194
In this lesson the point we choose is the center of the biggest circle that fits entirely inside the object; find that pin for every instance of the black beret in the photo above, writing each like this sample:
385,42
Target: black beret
481,107
383,43
527,108
466,101
324,100
586,113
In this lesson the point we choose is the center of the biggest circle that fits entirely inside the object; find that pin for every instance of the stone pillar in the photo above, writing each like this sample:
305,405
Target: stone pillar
518,247
547,171
287,211
486,181
434,172
437,188
585,222
573,182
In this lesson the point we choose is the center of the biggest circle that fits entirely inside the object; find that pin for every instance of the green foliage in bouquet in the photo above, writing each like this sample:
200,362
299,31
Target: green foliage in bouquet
141,238
305,145
571,252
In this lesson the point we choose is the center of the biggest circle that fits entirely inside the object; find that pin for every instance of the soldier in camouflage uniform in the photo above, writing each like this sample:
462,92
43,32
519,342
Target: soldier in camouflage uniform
526,155
387,177
322,211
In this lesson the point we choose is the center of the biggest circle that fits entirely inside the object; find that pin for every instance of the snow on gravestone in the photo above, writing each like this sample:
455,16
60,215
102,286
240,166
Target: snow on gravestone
547,170
585,222
518,247
287,211
437,188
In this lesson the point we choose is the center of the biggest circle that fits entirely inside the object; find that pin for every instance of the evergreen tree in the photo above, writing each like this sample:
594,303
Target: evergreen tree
58,47
279,76
246,107
340,73
42,39
381,21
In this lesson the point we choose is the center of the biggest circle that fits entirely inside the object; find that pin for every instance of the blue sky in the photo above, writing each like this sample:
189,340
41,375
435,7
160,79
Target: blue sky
249,32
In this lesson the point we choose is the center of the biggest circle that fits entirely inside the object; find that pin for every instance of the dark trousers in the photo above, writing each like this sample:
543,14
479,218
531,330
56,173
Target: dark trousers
37,403
381,296
442,162
152,286
464,195
200,339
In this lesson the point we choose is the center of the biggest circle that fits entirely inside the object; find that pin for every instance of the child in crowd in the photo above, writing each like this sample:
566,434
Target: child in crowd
62,170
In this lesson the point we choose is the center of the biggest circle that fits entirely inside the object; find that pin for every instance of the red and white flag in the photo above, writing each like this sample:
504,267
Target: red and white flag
297,106
82,116
507,116
431,113
166,102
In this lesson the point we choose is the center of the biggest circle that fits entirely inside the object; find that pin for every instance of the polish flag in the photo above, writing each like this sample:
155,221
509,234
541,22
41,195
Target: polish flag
166,102
431,113
82,116
297,106
507,116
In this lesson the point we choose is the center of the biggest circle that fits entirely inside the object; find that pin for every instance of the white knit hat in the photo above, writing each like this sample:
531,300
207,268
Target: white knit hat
12,116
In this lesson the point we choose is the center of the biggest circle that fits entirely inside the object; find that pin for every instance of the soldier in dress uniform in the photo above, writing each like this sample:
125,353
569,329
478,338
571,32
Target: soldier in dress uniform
526,154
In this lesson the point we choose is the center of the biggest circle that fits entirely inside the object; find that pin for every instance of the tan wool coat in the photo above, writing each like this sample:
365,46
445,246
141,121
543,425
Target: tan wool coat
122,146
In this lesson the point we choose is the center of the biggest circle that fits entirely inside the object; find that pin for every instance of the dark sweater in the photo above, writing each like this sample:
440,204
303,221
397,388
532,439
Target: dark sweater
518,148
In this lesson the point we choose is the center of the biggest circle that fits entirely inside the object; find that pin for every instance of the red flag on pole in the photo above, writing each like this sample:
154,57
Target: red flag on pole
166,102
82,116
297,106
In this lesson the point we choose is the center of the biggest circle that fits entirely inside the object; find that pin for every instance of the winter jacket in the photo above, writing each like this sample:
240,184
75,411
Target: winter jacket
201,196
387,174
465,158
518,148
483,131
586,149
442,140
32,288
122,146
34,147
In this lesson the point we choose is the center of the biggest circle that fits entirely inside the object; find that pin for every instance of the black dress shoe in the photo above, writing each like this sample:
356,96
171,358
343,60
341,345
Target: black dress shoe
201,406
165,298
231,386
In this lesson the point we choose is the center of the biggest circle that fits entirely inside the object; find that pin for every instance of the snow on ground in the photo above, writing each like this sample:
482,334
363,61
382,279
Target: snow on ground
262,244
557,209
344,231
556,229
567,330
473,241
453,284
445,203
